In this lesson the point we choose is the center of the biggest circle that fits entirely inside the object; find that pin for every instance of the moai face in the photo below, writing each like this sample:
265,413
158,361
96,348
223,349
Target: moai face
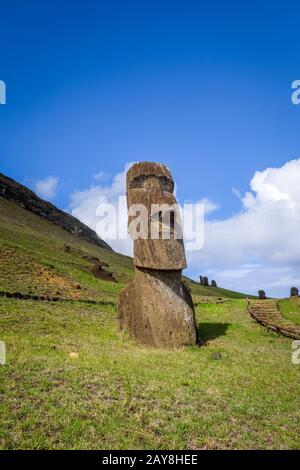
160,245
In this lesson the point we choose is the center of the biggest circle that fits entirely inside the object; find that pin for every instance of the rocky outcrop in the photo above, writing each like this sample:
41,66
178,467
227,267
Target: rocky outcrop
27,199
156,308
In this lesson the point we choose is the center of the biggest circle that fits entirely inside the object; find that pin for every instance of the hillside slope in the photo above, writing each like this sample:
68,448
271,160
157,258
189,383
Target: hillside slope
39,258
73,381
27,199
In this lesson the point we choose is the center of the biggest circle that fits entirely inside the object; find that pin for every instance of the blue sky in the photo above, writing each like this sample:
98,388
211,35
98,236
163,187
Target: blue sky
204,87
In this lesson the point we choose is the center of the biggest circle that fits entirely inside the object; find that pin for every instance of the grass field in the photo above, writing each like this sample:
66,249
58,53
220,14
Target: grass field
290,309
73,381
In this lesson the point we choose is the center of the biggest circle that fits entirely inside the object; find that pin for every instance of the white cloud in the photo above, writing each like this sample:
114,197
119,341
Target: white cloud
209,206
101,176
237,193
259,248
47,187
84,205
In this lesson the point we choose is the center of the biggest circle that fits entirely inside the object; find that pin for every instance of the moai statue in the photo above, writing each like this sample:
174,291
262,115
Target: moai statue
261,295
201,280
294,292
156,308
213,284
205,281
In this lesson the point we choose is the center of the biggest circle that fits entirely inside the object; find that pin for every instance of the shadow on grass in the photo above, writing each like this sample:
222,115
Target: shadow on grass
210,331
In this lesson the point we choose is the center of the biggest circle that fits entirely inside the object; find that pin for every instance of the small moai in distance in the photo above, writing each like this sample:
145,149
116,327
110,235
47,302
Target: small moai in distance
294,292
205,281
156,308
201,280
213,283
262,295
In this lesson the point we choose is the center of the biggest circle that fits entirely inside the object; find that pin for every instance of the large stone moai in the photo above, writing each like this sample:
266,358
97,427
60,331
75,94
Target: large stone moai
294,292
156,308
204,281
214,283
262,295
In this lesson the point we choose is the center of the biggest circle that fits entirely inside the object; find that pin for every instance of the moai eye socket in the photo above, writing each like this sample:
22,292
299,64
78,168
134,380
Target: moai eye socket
138,182
166,184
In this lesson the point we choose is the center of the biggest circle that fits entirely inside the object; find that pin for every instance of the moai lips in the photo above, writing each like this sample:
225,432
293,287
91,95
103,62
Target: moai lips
156,308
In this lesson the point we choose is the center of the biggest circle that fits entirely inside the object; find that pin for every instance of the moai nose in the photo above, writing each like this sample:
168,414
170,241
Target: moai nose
153,184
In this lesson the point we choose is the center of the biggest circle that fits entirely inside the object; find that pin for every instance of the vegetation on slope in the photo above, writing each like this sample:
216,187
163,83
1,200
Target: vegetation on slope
34,260
290,309
72,380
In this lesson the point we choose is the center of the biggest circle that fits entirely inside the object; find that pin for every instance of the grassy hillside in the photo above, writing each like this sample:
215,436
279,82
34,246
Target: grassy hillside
72,380
290,309
38,257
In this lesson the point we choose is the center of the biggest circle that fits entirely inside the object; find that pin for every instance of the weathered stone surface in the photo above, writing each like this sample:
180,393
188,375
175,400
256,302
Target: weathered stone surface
213,283
156,308
148,184
294,292
261,295
27,199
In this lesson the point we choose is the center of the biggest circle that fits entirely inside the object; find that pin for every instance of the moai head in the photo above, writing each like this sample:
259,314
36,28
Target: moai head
201,280
294,292
150,188
261,295
213,284
205,281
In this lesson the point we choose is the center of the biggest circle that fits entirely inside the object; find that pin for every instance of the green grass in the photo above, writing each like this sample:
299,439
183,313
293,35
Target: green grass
290,309
239,390
30,241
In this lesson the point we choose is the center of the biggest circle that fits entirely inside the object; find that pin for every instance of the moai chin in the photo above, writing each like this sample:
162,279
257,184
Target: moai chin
156,308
